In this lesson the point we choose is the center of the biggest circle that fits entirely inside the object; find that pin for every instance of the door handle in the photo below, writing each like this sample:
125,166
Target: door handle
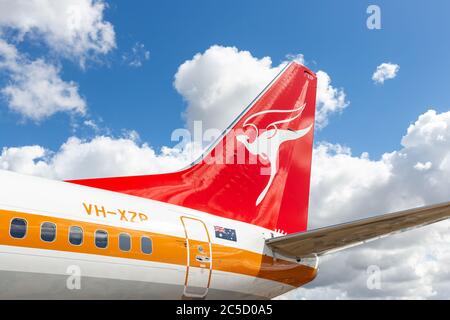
202,259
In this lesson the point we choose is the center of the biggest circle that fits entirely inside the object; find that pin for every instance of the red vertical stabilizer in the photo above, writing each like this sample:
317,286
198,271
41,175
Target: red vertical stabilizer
257,172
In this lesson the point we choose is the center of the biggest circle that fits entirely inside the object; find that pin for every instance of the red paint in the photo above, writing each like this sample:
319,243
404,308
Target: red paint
231,190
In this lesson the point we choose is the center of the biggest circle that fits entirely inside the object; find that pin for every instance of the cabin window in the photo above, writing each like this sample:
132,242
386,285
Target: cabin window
124,242
48,232
18,228
101,239
76,236
146,245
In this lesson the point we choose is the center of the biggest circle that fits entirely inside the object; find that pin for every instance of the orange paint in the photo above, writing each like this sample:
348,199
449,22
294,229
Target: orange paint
166,249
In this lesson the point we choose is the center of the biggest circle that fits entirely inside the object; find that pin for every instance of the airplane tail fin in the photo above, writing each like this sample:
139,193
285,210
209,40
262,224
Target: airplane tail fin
257,172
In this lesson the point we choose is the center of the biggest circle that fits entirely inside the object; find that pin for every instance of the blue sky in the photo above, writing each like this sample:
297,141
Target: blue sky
66,62
332,36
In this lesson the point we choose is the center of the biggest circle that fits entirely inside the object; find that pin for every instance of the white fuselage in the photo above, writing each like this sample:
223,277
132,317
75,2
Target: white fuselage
187,260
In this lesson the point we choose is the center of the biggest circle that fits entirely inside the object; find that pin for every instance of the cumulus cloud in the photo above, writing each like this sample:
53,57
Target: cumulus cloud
345,187
27,160
385,71
101,156
74,28
220,82
35,89
329,99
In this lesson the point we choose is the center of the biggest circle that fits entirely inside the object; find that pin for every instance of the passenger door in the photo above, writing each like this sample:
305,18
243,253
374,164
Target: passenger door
199,258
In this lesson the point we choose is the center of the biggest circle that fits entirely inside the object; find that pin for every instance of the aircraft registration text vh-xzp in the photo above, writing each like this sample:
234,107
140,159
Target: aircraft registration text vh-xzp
114,213
214,230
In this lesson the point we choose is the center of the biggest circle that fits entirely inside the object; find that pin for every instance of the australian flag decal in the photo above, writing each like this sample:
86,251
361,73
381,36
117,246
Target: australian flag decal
225,233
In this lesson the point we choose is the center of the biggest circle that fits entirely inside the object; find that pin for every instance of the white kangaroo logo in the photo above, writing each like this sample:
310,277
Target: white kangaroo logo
267,144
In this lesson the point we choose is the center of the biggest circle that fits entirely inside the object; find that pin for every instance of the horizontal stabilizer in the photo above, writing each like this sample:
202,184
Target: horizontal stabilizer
338,237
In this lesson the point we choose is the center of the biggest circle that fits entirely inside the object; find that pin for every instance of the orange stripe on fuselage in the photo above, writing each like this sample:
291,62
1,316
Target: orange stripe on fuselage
166,249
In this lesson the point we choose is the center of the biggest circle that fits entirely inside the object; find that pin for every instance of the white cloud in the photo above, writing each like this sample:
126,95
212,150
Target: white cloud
28,160
220,82
74,28
136,57
385,71
35,89
101,156
345,187
329,99
70,28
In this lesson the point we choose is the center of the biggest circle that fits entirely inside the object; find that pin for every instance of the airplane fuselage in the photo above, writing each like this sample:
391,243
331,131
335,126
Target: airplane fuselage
61,240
